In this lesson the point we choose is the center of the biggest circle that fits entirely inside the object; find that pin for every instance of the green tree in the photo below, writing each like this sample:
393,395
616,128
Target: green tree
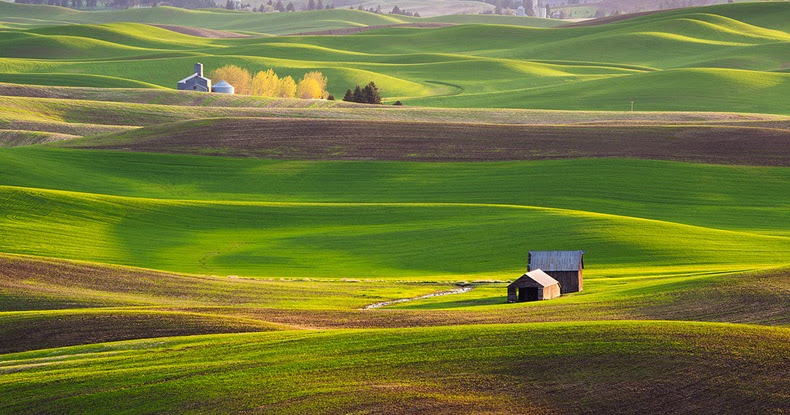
349,97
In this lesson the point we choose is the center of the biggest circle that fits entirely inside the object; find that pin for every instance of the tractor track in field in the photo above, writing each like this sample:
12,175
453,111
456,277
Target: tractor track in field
460,290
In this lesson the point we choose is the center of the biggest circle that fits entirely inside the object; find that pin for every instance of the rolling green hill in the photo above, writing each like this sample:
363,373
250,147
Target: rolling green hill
241,22
354,258
718,58
274,235
473,369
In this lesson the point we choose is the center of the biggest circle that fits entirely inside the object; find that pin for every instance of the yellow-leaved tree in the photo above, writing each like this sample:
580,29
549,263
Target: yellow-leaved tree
286,87
308,89
238,77
265,83
312,86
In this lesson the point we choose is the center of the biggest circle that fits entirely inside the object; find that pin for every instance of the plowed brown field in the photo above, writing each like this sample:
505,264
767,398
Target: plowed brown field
321,139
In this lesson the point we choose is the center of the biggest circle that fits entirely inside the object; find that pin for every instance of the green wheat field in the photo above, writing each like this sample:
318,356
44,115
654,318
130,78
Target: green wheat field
178,252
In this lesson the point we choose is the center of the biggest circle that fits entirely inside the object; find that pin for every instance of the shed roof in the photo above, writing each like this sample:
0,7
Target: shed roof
556,260
539,277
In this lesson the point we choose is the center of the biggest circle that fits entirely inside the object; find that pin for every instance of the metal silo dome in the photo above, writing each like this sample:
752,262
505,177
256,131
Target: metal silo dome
223,87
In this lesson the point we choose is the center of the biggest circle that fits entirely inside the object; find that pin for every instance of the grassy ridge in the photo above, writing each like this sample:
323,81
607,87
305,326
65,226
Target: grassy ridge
354,239
751,199
650,60
464,369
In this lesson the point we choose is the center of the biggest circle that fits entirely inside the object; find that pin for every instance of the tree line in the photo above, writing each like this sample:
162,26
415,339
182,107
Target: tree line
122,4
268,84
395,10
369,94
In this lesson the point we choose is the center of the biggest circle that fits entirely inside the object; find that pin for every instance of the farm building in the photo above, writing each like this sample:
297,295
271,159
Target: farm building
564,266
534,285
223,87
196,81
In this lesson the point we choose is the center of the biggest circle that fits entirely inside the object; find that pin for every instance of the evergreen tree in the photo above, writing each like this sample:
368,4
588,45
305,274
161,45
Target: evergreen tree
290,7
378,9
349,97
358,95
396,10
319,5
229,5
279,6
370,94
311,5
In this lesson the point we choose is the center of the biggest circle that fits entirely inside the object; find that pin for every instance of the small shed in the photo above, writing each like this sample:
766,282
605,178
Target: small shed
532,286
564,266
223,87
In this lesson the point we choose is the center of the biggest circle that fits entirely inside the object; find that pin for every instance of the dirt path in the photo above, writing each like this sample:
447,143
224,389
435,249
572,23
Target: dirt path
403,300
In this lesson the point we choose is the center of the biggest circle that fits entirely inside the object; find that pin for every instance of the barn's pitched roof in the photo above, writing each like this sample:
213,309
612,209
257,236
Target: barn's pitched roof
183,81
556,260
541,278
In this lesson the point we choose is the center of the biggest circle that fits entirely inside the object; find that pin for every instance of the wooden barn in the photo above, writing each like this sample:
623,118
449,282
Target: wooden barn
532,286
564,266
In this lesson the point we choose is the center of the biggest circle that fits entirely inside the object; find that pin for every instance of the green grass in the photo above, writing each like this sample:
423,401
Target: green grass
722,58
463,369
247,217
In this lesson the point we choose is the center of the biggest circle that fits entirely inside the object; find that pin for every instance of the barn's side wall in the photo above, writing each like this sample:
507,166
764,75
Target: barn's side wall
570,281
552,291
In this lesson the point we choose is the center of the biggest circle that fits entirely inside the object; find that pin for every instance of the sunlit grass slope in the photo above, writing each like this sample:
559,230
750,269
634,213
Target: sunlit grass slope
725,58
395,220
734,198
705,368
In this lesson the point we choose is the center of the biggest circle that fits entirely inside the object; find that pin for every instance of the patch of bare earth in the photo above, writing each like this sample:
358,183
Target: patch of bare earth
321,139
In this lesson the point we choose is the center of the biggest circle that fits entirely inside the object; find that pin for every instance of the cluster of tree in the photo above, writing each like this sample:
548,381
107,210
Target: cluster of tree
122,4
268,84
367,95
395,10
271,6
74,4
318,5
503,6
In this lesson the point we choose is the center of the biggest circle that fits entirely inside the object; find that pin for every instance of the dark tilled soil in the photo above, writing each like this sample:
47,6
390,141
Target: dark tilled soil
314,139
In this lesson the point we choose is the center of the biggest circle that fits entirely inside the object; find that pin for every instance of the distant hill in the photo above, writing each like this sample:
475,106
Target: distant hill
21,15
719,58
